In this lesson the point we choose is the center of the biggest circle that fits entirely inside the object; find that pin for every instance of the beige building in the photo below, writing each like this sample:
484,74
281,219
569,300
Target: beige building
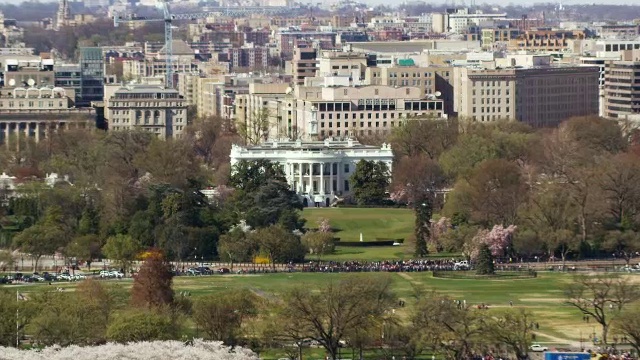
150,108
33,112
433,81
621,91
540,96
350,64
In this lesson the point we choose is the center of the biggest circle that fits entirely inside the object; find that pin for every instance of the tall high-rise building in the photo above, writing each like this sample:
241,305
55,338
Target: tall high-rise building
92,75
63,15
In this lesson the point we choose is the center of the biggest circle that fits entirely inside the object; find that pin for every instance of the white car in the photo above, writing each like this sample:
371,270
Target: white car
38,278
105,274
80,277
66,277
461,265
538,348
116,274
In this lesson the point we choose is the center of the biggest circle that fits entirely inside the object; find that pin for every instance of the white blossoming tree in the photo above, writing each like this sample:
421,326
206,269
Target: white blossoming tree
198,350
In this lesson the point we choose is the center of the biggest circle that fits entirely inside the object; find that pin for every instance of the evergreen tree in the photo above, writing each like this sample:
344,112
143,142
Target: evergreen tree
484,263
422,232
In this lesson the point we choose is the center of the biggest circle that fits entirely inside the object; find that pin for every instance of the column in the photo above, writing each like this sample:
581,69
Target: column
322,178
17,127
339,182
37,132
300,187
7,127
26,131
311,180
331,178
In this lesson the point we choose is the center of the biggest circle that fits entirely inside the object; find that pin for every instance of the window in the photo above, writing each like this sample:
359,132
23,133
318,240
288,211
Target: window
346,185
346,168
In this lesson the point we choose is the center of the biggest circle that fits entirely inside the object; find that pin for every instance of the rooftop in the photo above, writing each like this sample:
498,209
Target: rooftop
327,144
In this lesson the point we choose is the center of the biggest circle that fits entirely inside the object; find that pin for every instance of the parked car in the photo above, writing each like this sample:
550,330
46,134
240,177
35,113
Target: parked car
116,274
538,348
205,270
193,272
223,271
66,277
461,265
80,277
37,278
105,274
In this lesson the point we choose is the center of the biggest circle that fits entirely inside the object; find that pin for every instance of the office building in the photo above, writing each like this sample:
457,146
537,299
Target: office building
92,72
155,109
304,63
621,91
539,96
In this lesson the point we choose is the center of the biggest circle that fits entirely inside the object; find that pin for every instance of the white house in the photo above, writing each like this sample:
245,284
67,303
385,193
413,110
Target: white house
318,171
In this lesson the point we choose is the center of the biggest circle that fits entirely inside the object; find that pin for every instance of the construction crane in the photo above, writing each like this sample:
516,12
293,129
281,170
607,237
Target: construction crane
168,19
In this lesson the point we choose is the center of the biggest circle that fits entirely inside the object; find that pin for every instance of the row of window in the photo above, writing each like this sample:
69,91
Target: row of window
353,124
491,109
491,101
353,116
32,104
354,132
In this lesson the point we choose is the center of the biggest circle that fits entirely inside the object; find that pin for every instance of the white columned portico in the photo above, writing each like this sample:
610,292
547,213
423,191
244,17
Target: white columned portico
310,189
322,179
338,183
300,187
331,177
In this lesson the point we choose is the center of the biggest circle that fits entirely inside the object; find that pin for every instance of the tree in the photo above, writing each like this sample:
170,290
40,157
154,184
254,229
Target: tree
256,129
422,228
137,325
237,245
624,245
370,182
496,190
169,162
152,285
620,184
629,326
319,243
263,197
278,244
468,152
44,238
64,319
602,298
496,240
484,262
447,327
9,308
123,249
221,316
335,311
428,137
513,329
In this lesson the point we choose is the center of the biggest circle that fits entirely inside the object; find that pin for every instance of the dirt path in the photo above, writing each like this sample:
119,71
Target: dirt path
559,341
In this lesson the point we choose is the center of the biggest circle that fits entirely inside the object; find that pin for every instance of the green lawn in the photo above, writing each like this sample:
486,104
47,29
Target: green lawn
559,323
348,223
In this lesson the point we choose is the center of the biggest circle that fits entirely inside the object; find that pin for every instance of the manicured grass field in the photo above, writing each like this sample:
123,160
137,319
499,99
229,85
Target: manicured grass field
559,323
373,223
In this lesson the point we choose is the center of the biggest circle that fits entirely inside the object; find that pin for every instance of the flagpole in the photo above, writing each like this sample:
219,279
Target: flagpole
17,319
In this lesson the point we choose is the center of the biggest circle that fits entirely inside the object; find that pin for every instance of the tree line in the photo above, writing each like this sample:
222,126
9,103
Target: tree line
355,312
567,191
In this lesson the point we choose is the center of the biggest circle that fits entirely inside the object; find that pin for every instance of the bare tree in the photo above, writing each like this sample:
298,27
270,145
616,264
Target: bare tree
513,329
256,128
333,313
601,298
449,327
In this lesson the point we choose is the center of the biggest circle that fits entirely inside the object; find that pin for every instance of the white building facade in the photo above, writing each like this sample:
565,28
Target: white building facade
318,171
